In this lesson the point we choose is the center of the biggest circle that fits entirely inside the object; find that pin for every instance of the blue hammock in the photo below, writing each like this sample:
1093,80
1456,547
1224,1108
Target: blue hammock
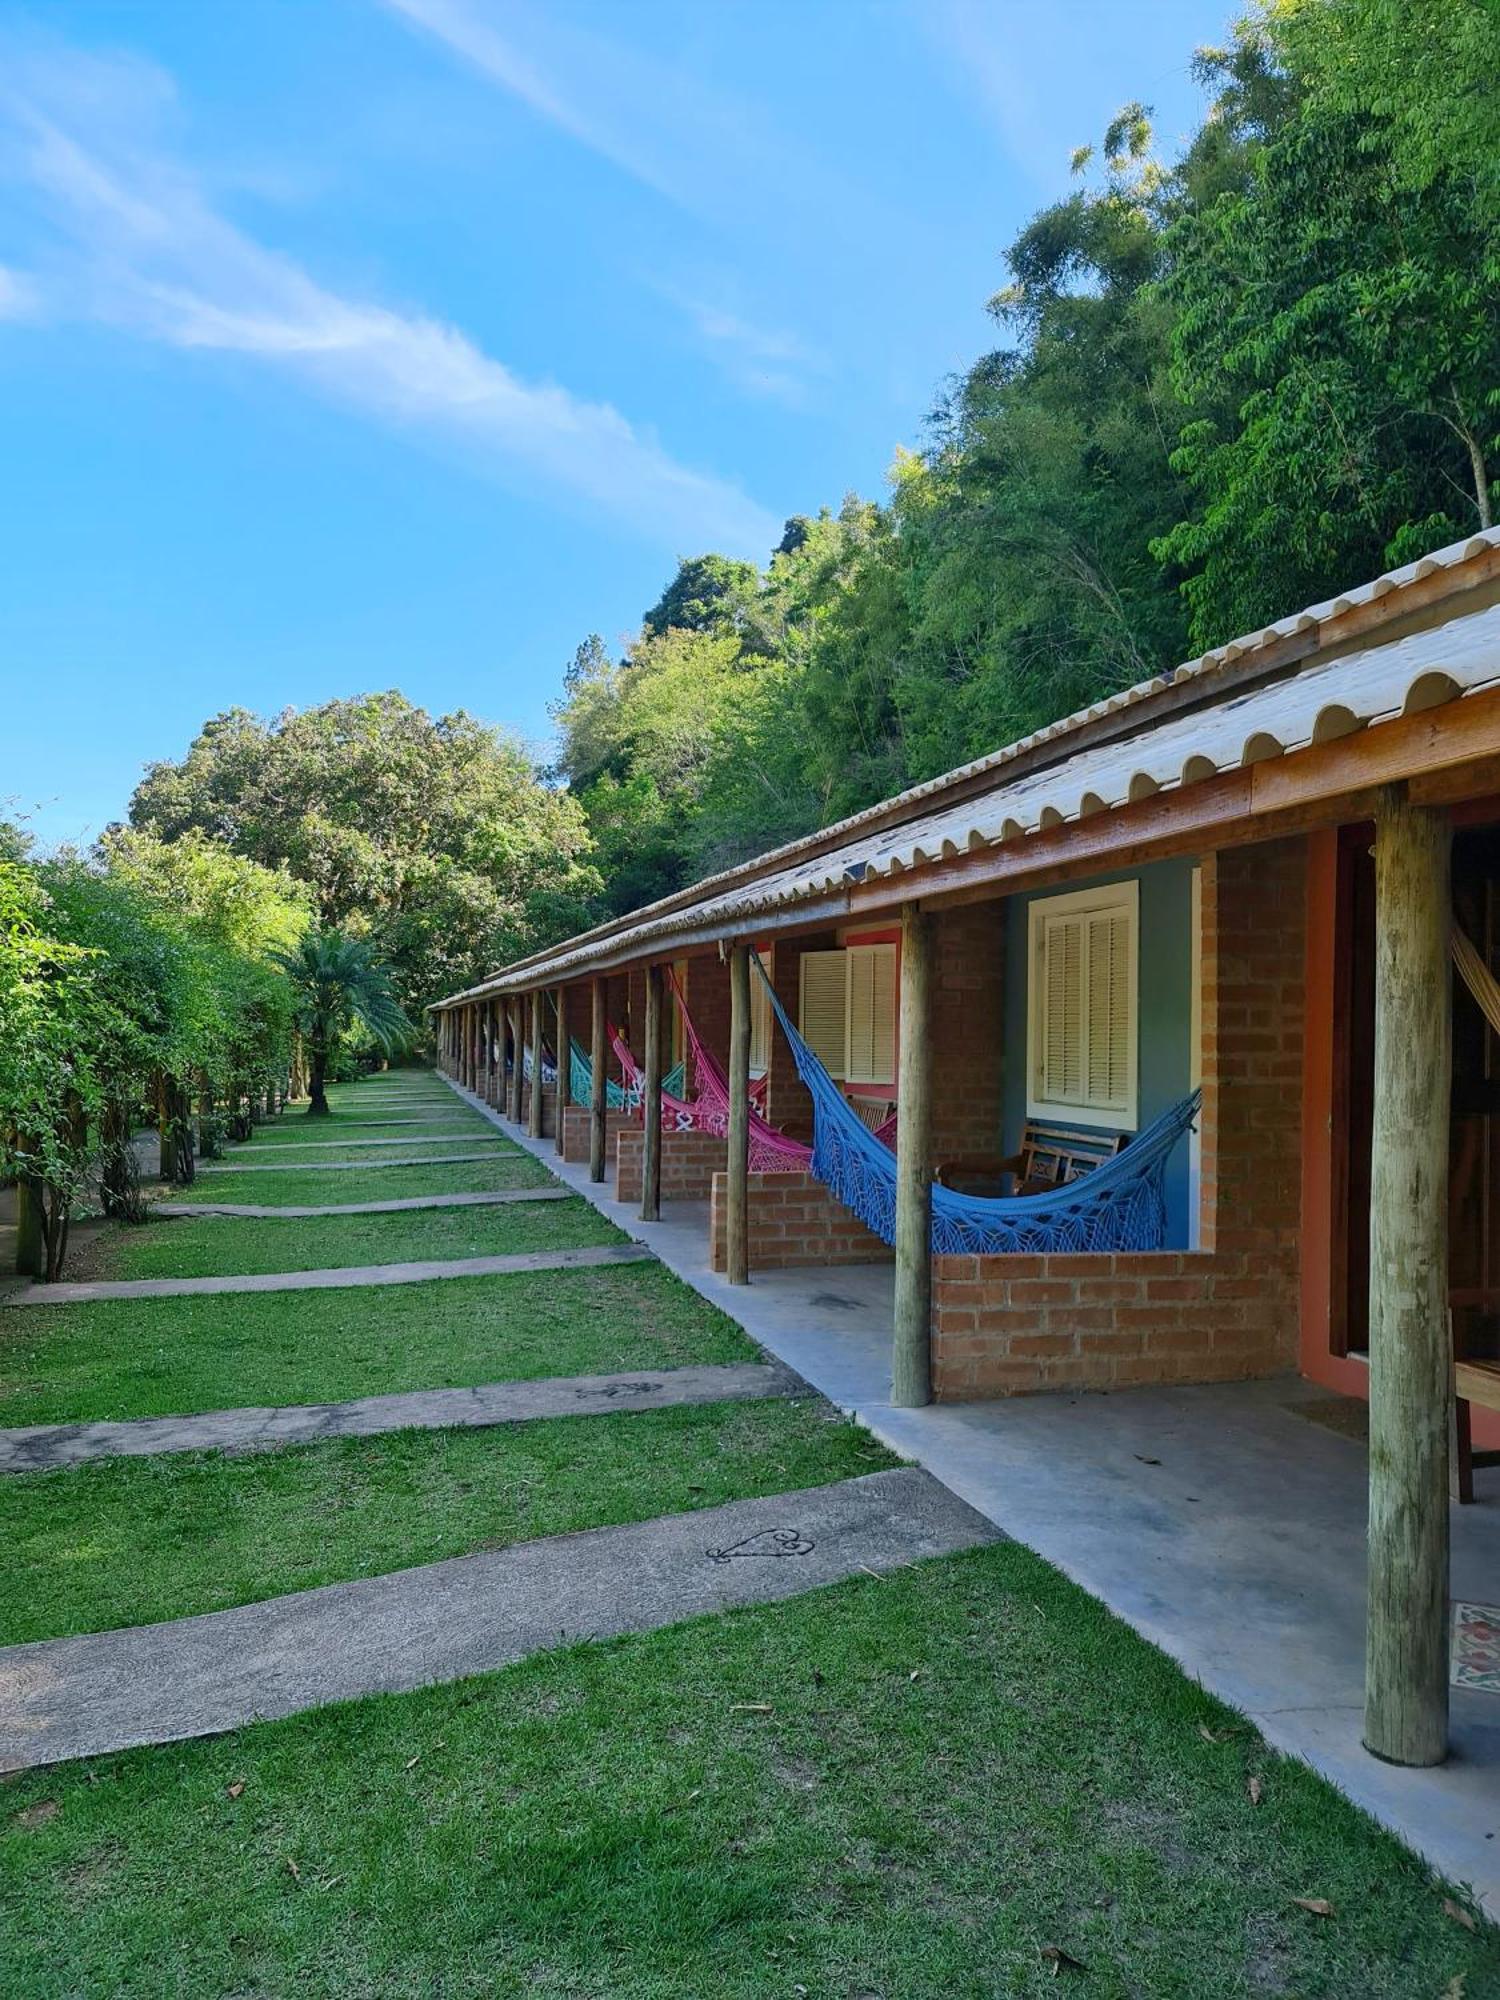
1120,1205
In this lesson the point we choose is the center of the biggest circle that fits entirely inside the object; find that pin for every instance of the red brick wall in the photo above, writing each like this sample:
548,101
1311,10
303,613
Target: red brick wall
708,1003
576,1132
968,1032
549,1108
689,1161
1228,1310
794,1221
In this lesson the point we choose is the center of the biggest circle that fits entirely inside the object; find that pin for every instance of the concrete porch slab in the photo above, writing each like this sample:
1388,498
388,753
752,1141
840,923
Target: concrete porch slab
1223,1526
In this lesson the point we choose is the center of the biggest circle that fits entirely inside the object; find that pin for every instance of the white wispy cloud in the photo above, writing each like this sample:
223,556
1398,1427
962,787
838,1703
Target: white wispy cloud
765,361
19,296
139,246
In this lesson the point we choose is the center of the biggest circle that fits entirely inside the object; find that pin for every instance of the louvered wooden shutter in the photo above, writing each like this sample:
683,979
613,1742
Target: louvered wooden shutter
822,1012
871,1038
760,1022
1083,1047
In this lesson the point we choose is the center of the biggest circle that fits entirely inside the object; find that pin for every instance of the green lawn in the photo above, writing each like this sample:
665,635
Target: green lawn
157,1357
908,1789
127,1541
498,1167
318,1135
224,1244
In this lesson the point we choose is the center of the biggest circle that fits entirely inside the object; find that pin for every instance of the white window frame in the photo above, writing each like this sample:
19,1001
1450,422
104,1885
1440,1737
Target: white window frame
1111,899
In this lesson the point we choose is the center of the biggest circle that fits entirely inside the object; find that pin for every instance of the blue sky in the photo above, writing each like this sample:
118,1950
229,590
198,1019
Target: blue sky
349,344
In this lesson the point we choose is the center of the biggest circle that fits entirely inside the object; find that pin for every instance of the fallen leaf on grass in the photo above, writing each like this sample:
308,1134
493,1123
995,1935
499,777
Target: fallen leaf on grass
1255,1788
1456,1986
678,1804
751,1708
1316,1906
1215,1735
38,1815
412,1762
1458,1913
236,1788
293,1870
1062,1961
915,1674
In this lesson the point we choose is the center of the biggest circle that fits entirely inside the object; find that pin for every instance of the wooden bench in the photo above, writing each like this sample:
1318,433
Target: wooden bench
1049,1157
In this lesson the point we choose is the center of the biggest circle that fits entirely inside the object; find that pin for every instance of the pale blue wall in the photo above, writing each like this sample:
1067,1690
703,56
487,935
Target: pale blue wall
1165,1063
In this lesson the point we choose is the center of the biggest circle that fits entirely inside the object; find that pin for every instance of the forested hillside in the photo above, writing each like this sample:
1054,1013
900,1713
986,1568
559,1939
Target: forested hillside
1222,386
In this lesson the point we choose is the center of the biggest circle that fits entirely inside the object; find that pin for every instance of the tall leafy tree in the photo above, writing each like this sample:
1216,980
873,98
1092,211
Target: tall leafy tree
338,984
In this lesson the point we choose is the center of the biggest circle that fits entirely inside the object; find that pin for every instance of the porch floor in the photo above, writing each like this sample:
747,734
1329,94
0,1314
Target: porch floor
1221,1522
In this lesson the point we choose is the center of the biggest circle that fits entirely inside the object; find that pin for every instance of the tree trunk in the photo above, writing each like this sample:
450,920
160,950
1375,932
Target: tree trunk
599,1096
317,1071
31,1249
737,1162
651,1149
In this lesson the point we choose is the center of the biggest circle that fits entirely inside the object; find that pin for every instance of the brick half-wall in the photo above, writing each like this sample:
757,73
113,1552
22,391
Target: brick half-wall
689,1161
1224,1312
549,1108
576,1132
794,1221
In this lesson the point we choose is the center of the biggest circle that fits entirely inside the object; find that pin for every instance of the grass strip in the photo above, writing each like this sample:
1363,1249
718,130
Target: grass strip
216,1246
369,1183
172,1356
132,1540
916,1787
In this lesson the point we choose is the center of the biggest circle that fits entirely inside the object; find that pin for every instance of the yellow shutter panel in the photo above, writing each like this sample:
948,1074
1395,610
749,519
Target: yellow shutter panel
1108,1011
823,1008
760,1021
1062,985
871,1038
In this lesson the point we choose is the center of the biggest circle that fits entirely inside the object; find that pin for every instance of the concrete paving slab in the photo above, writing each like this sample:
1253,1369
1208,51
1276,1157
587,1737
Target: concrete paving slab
1241,1554
51,1447
353,1166
443,1137
107,1691
332,1280
494,1198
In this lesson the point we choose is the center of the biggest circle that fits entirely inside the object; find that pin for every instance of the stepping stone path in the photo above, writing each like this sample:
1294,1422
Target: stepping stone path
496,1152
398,1207
354,1274
108,1691
46,1447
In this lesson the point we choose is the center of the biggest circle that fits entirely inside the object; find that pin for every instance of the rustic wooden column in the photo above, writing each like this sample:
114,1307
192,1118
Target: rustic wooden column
1411,1362
491,1024
517,1061
911,1344
474,1048
651,1108
737,1165
564,1061
598,1100
534,1116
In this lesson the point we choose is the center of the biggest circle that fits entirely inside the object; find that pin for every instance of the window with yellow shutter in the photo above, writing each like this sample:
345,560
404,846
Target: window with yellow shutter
1081,1005
870,1036
823,1005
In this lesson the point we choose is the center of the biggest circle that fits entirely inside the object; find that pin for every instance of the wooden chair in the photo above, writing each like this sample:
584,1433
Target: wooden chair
1049,1157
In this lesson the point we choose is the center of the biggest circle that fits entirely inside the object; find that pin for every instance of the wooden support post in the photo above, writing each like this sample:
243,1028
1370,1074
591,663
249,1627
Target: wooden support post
651,1108
598,1099
1411,1362
534,1113
737,1165
517,1063
564,1062
911,1345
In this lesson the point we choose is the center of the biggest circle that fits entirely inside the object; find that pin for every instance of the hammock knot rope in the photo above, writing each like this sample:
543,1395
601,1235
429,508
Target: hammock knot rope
1120,1205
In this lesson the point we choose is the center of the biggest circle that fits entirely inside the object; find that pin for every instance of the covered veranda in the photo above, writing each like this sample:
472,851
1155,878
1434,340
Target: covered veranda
1380,709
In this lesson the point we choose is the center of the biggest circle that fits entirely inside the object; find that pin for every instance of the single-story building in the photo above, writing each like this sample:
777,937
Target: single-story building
1239,887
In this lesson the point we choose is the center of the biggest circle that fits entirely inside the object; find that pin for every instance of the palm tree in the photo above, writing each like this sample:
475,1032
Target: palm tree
339,984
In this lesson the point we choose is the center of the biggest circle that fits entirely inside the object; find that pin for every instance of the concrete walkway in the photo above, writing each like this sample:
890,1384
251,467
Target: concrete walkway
494,1198
49,1447
1219,1522
107,1691
333,1280
354,1166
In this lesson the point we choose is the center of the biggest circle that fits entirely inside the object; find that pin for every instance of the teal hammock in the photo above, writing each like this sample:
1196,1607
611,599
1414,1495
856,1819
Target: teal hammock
616,1096
1120,1205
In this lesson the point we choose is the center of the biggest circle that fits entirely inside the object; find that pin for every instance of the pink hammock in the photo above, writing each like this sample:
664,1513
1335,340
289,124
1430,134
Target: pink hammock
771,1152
